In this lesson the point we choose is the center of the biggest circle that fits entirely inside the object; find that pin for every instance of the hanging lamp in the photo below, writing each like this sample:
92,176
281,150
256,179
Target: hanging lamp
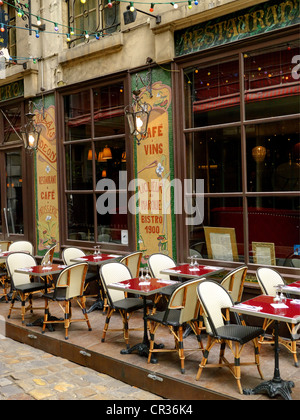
30,131
138,112
106,153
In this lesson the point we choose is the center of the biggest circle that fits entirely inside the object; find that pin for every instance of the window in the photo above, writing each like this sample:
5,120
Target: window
94,17
212,93
12,123
95,164
250,165
12,42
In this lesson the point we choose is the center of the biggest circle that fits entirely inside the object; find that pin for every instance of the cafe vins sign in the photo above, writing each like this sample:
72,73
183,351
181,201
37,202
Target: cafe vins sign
256,20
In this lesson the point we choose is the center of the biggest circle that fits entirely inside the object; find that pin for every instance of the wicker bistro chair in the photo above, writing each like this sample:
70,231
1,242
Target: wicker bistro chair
4,279
158,262
49,255
268,279
234,281
117,301
72,252
4,283
22,287
183,308
69,287
4,245
22,246
214,298
133,262
48,259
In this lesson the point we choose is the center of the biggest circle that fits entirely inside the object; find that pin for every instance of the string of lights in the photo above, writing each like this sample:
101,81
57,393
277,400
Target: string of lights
69,31
72,31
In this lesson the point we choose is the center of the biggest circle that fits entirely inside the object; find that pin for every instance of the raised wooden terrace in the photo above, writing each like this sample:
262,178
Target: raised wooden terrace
164,378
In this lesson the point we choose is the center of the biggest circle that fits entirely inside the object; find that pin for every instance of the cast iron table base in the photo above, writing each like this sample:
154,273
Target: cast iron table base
143,348
276,386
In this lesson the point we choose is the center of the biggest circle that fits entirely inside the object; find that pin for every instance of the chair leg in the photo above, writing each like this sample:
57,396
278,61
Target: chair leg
222,351
12,304
109,314
294,351
152,329
196,327
23,301
45,315
30,303
237,367
257,360
124,316
181,350
4,286
210,343
85,313
67,319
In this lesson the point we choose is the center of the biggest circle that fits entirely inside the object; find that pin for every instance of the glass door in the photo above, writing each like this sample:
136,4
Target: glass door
12,219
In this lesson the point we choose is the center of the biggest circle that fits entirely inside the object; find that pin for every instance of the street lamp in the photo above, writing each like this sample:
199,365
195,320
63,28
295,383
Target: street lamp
30,132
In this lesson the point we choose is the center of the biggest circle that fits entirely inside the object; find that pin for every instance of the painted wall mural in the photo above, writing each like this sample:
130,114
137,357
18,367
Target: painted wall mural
46,179
155,221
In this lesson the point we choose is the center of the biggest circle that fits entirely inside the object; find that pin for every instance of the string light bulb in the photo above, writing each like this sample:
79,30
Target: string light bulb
131,6
151,7
109,4
68,38
97,36
37,34
86,35
196,2
55,27
38,21
83,1
20,13
2,29
190,4
72,31
175,5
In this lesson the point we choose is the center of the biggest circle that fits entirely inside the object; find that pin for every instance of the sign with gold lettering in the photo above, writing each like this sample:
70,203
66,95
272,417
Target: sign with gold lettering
259,19
11,91
46,181
154,171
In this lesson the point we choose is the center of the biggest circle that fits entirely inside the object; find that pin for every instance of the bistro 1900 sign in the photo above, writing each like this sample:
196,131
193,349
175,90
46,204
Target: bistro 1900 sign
256,20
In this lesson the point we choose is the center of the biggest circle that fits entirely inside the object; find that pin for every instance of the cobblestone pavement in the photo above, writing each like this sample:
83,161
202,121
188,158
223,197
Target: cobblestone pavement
27,373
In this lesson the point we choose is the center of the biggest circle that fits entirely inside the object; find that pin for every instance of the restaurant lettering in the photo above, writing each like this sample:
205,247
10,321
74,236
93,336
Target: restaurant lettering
11,91
259,19
46,185
47,151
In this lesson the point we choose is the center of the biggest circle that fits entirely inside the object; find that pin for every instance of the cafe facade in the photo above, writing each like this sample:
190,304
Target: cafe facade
217,175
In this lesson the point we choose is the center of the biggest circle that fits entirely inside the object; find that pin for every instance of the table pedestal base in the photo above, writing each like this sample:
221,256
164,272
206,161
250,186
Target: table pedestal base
40,322
99,304
143,350
273,388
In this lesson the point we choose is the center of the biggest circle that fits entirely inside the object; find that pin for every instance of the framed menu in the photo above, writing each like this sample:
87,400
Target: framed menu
221,243
264,253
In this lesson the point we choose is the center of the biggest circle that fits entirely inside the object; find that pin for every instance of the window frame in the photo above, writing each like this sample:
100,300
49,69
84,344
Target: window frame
180,132
100,27
63,191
